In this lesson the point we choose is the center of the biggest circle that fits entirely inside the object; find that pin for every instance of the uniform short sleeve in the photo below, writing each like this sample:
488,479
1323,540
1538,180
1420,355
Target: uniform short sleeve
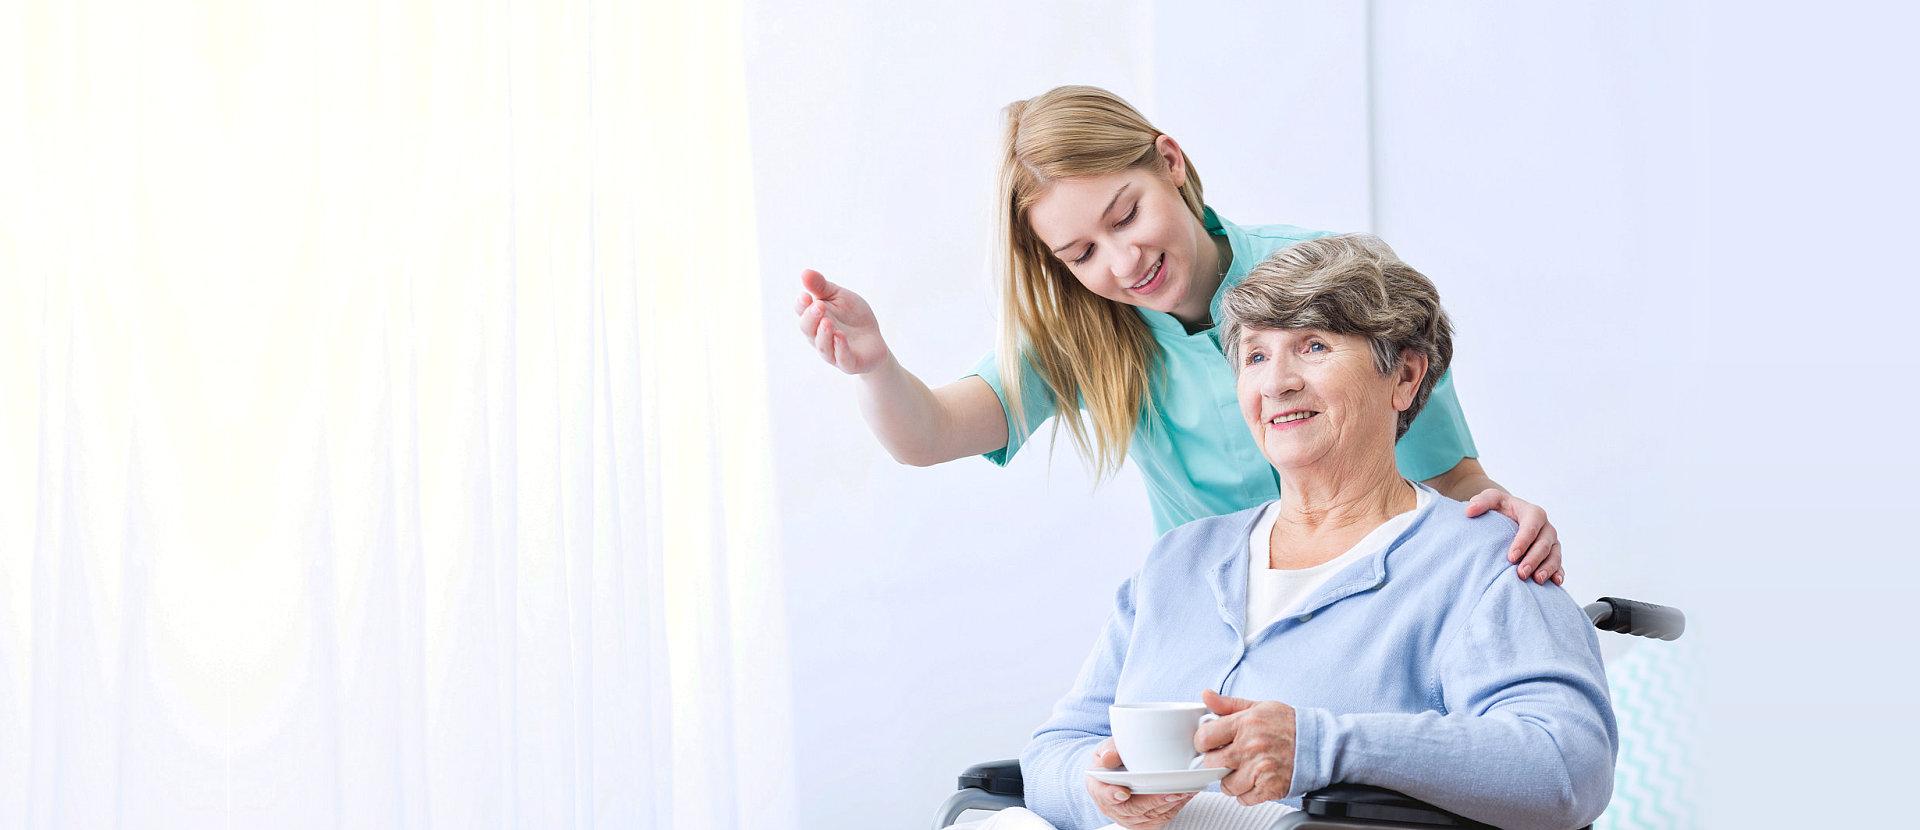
1438,438
1035,398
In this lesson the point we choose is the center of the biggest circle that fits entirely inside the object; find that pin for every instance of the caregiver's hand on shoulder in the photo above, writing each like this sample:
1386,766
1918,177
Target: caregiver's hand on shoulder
1134,812
1537,539
1252,738
840,324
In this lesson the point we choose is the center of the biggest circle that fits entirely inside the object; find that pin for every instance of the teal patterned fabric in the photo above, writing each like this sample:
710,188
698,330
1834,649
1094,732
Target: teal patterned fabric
1655,701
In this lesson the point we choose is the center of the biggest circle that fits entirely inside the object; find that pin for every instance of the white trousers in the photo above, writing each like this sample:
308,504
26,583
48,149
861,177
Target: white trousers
1207,811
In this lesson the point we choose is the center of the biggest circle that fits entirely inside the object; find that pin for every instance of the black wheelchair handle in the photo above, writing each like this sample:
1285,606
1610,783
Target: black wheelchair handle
1641,619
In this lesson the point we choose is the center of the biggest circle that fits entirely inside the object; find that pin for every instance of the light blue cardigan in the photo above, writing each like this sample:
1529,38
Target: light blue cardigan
1427,668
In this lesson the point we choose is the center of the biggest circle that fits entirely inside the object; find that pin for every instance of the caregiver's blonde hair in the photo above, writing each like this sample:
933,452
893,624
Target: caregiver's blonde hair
1086,348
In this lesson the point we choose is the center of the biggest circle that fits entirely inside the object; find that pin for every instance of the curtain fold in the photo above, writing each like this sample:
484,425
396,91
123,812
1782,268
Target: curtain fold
383,420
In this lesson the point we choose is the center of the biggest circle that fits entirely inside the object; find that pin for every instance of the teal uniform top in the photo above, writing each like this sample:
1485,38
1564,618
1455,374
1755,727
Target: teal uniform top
1199,459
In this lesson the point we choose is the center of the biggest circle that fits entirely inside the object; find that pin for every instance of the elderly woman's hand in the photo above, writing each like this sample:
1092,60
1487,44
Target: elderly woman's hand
1537,537
1134,812
1252,738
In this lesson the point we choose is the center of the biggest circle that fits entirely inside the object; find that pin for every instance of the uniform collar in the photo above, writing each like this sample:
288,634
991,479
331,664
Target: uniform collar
1228,575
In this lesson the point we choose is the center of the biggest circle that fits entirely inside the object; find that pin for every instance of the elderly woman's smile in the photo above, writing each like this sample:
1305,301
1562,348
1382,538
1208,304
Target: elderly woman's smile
1290,418
1309,394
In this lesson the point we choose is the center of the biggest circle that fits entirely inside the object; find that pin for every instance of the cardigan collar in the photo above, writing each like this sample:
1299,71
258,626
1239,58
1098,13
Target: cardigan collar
1226,571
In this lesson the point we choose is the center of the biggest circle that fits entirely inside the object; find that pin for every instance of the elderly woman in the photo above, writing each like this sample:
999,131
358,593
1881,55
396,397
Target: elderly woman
1360,628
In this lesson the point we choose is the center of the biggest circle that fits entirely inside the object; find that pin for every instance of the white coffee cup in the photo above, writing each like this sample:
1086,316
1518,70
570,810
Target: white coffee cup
1157,737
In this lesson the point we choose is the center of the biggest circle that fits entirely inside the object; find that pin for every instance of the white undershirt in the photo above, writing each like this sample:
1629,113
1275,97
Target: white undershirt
1272,594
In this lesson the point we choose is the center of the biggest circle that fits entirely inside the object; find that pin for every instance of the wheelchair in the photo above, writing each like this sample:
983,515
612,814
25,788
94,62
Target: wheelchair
996,785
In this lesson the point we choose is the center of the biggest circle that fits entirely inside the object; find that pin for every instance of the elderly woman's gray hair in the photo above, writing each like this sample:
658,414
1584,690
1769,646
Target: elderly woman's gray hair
1347,284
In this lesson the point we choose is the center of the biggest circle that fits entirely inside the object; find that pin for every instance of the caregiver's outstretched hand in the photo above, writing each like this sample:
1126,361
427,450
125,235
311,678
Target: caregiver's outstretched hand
841,325
917,425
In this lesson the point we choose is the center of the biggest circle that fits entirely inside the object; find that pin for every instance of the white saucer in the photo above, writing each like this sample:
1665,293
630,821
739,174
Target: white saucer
1160,783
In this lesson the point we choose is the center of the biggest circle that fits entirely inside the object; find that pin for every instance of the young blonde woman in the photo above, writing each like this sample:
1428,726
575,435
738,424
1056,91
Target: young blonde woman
1112,268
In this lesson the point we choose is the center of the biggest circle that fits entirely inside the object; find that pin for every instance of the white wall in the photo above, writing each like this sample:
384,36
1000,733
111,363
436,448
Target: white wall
929,627
1669,236
1660,233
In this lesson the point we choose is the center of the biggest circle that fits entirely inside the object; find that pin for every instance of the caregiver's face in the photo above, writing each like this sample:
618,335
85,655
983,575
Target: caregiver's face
1126,236
1313,397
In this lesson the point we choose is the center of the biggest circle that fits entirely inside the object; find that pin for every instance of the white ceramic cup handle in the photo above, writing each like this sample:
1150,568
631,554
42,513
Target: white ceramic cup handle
1202,757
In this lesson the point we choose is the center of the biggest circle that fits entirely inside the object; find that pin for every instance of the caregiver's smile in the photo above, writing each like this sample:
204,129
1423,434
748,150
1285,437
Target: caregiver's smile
1130,237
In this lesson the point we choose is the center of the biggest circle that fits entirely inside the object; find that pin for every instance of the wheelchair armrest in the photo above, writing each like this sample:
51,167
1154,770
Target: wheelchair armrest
1361,803
997,777
1360,807
995,785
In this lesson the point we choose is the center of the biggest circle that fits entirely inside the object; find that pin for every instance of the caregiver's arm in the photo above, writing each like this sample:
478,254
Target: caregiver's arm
1528,738
1538,539
1466,480
917,425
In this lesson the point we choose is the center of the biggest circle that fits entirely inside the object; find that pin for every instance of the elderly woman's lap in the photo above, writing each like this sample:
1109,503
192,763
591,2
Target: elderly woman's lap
1207,811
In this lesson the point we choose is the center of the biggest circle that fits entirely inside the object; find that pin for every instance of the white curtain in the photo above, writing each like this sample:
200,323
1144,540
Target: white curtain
383,425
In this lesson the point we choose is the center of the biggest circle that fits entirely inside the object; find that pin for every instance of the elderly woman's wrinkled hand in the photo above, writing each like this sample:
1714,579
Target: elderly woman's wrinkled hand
1255,740
1134,812
1537,537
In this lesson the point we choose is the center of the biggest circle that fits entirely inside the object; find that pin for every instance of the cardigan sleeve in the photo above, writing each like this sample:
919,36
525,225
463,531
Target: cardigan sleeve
1524,734
1055,762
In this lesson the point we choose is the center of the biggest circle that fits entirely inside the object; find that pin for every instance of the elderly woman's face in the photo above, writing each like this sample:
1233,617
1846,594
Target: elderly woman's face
1314,397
